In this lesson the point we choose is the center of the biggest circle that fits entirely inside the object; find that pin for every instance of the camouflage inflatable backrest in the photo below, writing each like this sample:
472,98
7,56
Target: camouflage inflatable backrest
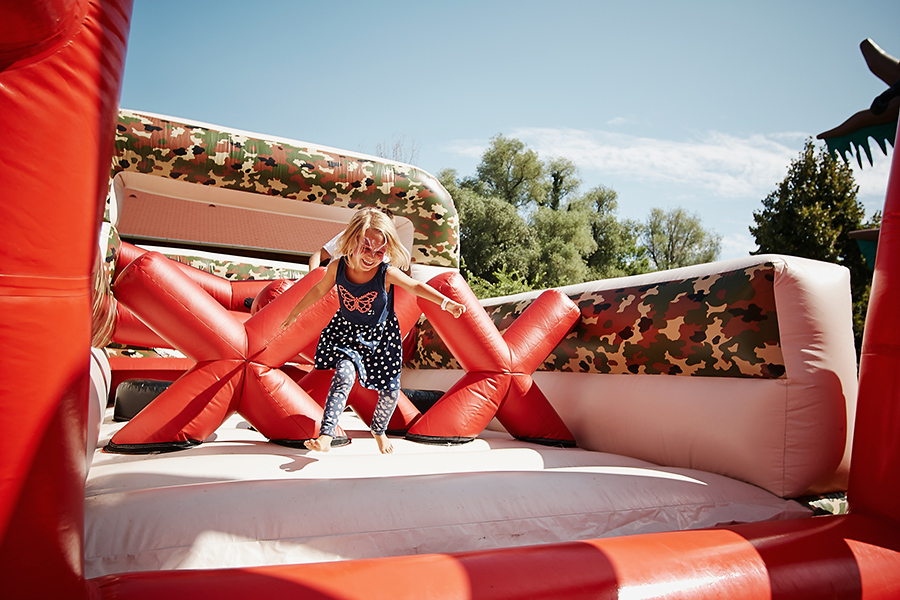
717,325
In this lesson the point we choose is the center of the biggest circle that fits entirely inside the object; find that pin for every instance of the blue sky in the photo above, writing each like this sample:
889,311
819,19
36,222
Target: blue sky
698,105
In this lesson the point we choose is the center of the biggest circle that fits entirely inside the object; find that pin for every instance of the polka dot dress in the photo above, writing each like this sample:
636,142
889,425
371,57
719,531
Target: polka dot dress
364,330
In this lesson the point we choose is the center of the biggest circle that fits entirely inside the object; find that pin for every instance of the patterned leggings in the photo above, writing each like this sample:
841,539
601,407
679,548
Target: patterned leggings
341,384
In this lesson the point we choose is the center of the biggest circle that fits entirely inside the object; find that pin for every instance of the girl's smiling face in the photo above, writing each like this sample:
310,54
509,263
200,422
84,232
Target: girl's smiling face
370,250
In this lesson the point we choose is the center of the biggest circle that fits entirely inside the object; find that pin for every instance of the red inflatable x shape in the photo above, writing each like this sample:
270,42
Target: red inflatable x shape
237,364
498,380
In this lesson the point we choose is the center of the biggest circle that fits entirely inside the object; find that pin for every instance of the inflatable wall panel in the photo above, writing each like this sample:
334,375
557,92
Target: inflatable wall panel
735,367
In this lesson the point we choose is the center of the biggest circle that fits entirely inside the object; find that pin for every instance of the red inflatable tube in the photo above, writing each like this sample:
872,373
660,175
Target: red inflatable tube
835,557
61,67
531,338
463,411
179,310
472,338
272,290
125,254
534,335
217,287
498,368
187,412
279,408
131,331
874,481
34,29
230,294
272,346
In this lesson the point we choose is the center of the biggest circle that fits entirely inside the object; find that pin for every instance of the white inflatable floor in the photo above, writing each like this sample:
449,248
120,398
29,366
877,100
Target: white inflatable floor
238,500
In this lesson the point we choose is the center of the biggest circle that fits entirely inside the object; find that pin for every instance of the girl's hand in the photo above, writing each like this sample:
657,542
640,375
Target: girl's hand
455,308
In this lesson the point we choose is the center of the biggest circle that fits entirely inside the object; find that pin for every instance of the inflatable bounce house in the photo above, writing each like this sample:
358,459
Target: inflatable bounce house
651,436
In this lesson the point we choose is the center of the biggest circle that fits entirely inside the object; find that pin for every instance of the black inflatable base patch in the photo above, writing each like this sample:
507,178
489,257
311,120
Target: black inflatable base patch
335,443
134,394
155,448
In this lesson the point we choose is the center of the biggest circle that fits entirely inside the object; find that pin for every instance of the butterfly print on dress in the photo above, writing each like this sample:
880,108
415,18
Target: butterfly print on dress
362,304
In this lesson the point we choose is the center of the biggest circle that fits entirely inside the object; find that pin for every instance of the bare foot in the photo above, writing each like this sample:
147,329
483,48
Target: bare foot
384,444
320,444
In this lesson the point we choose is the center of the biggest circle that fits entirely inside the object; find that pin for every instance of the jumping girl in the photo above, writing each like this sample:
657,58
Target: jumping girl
363,338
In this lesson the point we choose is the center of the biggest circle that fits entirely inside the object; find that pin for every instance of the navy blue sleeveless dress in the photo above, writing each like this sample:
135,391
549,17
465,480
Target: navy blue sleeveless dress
364,330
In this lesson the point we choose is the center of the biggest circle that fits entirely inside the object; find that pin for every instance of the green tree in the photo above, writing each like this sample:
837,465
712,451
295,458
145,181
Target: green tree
495,240
511,172
563,181
676,238
810,214
564,239
617,251
505,284
523,224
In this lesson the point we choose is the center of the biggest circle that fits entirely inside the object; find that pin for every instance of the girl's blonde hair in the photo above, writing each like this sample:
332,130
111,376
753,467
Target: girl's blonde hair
372,218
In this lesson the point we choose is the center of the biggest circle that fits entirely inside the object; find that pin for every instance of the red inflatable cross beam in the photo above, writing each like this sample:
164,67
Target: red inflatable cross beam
498,380
237,366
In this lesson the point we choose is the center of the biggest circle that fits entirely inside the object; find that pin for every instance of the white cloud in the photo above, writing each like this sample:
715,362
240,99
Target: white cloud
735,245
467,148
722,165
872,179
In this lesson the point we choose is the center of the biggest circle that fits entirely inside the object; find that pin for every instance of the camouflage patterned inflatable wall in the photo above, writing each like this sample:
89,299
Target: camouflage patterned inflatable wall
716,325
226,159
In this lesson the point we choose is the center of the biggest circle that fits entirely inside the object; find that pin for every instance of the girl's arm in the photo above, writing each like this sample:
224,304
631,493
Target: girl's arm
395,276
314,294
